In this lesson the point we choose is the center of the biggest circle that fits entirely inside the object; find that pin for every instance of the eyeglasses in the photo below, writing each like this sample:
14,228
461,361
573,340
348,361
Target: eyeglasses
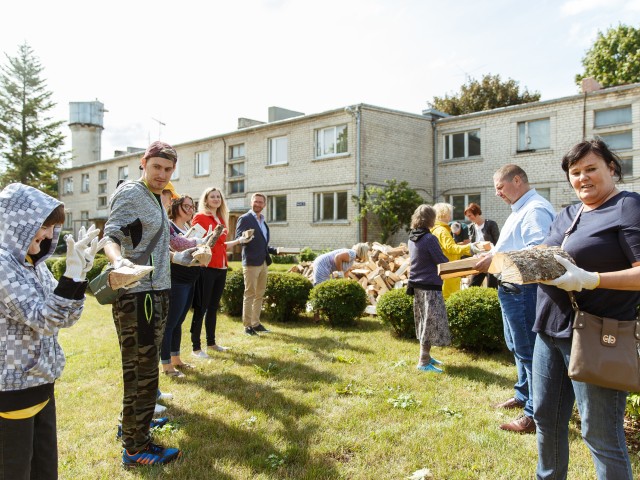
188,208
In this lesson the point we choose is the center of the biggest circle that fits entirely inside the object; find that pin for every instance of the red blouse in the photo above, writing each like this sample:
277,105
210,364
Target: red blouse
219,250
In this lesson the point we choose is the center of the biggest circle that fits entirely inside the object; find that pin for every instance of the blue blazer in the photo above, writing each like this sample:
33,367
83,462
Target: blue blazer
257,251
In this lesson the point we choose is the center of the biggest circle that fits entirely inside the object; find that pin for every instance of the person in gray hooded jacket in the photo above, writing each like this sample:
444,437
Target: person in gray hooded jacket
33,308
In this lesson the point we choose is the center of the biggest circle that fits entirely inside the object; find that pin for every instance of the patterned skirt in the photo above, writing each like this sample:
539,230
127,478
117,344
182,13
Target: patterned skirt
432,323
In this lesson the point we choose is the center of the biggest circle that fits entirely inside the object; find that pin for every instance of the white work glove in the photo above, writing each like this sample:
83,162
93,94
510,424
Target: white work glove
575,278
205,238
185,258
80,254
123,262
245,240
475,249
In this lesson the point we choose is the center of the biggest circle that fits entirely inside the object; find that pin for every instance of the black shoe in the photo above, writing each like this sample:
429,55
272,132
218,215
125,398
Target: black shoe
250,331
260,328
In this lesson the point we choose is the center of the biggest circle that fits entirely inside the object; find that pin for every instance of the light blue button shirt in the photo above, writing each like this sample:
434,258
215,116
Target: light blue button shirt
528,225
260,220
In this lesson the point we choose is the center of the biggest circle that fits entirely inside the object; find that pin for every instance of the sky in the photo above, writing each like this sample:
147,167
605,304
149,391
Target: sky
184,70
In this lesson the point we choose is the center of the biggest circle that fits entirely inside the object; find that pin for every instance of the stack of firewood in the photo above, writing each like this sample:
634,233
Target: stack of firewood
386,268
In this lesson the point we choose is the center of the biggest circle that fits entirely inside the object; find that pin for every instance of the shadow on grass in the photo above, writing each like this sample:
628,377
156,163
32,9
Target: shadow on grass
244,443
481,375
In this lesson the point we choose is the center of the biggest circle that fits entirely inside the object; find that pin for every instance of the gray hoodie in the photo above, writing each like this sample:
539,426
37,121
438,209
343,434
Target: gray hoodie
31,308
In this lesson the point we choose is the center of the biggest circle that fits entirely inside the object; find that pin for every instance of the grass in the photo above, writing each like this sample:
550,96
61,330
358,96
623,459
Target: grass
304,402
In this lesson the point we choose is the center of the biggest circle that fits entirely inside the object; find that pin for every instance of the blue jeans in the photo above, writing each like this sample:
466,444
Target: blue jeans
179,304
518,315
601,412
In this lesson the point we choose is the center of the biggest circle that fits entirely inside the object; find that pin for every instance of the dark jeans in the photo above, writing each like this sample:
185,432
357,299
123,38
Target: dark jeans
180,300
212,282
29,447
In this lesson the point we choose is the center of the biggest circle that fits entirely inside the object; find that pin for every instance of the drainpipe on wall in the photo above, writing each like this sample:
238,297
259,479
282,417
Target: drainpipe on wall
434,165
355,112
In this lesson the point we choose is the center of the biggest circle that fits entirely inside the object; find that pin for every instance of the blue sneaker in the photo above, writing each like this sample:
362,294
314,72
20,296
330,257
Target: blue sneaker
152,454
429,368
435,362
155,423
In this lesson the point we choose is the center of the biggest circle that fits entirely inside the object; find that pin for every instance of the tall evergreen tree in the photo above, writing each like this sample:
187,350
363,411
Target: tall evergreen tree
30,140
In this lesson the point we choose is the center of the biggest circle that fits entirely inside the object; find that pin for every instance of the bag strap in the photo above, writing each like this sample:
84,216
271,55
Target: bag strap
568,232
144,258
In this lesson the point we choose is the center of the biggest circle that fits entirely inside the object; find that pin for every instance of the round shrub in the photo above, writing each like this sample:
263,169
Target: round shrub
98,265
395,308
307,255
279,259
59,267
233,293
49,263
339,301
286,296
475,319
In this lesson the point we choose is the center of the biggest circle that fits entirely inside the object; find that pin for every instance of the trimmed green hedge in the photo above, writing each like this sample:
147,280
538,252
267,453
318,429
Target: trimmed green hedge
475,319
231,302
395,308
286,296
339,301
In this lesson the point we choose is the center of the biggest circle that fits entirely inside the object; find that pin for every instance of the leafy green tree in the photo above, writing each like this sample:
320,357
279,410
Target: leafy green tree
391,205
614,57
30,140
486,94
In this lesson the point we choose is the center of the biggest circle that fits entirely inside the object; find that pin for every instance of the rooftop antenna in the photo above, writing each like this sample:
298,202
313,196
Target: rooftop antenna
160,125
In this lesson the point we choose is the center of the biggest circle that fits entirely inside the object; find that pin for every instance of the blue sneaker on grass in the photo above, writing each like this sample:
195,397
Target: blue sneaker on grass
433,361
429,368
152,454
155,423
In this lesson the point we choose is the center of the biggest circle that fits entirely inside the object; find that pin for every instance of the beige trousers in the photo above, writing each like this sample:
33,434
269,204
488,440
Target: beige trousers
255,283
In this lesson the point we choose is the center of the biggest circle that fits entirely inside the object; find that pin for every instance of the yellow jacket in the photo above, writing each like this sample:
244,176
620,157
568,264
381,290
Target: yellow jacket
452,251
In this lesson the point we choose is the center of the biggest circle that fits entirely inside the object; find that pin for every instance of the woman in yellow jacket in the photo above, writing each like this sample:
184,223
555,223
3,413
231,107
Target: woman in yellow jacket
451,250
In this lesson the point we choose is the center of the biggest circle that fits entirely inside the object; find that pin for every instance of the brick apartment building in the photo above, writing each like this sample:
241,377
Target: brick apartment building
310,166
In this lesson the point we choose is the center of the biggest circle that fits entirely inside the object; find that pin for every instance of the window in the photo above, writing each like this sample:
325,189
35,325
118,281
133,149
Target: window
331,141
84,219
102,189
544,193
612,116
102,202
67,185
462,145
102,175
278,151
123,172
236,151
534,135
460,203
84,184
618,141
176,172
627,166
236,186
277,209
330,206
236,169
202,164
68,221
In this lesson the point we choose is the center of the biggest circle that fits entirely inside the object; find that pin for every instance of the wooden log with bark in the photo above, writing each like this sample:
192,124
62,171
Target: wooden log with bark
529,266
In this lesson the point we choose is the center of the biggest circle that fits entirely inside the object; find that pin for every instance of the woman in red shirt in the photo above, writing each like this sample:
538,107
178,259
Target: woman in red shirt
212,211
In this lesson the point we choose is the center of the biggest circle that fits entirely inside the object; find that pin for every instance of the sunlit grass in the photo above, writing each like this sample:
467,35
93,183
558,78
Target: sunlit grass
304,402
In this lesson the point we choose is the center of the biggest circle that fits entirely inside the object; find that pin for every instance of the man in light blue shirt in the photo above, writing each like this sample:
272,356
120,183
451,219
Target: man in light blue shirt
527,226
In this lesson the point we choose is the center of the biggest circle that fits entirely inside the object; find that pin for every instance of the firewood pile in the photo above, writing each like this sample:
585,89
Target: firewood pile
386,268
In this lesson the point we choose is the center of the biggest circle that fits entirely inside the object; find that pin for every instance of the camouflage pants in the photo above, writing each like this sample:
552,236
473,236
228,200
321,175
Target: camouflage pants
140,319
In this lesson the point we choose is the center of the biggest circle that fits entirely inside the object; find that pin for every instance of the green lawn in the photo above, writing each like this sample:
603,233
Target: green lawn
305,402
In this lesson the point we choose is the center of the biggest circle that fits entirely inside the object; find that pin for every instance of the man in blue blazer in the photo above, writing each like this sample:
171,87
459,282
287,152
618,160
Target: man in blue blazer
255,261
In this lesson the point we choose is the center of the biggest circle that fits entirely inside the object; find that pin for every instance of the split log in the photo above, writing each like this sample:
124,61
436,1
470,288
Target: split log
123,276
458,268
529,266
216,234
202,254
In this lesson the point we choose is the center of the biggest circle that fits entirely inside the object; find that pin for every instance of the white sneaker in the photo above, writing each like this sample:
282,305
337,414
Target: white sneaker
159,409
217,348
200,354
165,396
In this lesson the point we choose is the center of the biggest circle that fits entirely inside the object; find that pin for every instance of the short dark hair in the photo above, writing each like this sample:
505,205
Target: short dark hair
473,208
423,217
56,217
597,147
